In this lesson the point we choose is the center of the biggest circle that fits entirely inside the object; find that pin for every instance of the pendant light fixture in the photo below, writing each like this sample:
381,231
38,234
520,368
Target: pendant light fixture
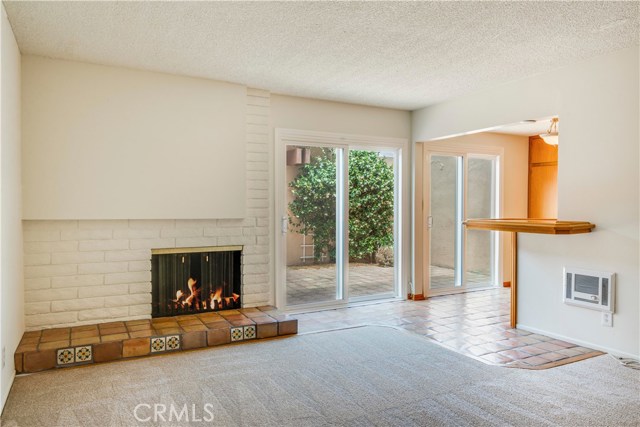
551,137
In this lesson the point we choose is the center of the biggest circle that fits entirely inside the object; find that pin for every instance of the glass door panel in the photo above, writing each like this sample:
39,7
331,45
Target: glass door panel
445,221
480,248
314,198
371,269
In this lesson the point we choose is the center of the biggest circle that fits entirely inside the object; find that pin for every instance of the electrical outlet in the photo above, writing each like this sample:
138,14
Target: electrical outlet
607,319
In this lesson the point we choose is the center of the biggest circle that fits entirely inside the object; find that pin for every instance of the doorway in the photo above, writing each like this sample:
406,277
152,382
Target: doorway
459,183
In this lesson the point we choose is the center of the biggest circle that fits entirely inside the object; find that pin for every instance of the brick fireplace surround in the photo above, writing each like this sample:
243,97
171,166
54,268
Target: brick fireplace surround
81,272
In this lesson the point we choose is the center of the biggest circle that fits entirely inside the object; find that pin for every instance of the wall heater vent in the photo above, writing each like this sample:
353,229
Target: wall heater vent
590,289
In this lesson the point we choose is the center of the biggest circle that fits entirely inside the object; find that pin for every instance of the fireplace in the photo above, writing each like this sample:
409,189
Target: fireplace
195,280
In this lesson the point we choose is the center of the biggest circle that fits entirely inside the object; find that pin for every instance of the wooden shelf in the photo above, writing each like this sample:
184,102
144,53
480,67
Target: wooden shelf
524,225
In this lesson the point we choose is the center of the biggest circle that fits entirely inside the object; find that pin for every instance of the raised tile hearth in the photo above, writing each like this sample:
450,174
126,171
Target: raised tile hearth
105,342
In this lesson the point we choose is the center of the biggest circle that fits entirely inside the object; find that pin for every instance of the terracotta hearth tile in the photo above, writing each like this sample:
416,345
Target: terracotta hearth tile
50,335
220,324
195,328
114,337
22,348
32,334
17,361
110,325
267,330
106,352
32,340
227,313
142,327
288,327
138,322
191,340
53,345
36,361
182,317
165,324
208,316
241,321
254,314
141,333
85,341
218,336
264,320
136,347
266,308
190,322
247,310
84,328
112,331
168,331
84,334
163,319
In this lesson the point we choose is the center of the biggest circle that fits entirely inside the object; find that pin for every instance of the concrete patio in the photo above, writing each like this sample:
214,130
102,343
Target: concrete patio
317,283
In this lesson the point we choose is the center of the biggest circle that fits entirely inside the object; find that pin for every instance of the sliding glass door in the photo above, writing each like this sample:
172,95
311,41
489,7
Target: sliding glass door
339,227
460,184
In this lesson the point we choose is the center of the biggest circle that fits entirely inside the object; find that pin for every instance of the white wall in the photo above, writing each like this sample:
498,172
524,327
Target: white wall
113,143
89,271
598,175
324,116
11,283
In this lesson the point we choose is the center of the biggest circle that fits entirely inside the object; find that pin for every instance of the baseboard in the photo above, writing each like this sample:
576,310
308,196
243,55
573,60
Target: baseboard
506,284
579,342
415,297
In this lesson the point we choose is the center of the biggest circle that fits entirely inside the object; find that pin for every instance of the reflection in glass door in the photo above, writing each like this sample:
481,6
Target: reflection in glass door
461,185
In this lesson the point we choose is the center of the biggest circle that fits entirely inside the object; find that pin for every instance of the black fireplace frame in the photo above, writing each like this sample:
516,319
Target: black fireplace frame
213,268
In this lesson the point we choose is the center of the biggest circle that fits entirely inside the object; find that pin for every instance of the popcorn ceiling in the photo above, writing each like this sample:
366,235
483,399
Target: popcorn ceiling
404,55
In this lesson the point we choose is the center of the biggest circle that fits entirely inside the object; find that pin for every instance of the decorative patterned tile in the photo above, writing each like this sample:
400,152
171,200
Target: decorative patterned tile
237,334
65,356
173,342
158,344
249,332
84,354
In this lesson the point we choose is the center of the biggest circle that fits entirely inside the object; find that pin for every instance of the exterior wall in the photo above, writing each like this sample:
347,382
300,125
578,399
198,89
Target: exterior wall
90,271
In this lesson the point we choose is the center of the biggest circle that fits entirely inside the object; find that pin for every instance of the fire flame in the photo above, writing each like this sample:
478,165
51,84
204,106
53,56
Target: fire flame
193,300
216,297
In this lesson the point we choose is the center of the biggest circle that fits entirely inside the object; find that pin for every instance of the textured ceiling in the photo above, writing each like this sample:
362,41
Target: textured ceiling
394,54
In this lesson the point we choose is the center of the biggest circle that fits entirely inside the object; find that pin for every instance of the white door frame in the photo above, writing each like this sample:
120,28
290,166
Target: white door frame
284,137
464,150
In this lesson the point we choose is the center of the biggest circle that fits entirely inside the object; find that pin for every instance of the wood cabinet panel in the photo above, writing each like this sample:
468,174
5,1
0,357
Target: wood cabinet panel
541,152
543,191
543,179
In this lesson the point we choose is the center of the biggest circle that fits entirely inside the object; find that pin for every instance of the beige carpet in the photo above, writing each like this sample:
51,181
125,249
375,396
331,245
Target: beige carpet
354,377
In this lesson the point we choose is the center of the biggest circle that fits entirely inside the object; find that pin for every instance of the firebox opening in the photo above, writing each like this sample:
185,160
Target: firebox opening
189,281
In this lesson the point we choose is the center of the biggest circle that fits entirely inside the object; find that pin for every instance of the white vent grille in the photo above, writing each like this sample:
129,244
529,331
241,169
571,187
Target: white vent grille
590,289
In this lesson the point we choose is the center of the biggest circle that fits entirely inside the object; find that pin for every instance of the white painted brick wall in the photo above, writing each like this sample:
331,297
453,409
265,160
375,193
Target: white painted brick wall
79,272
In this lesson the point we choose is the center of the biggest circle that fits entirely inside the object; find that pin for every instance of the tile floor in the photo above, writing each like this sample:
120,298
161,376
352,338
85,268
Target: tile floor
475,324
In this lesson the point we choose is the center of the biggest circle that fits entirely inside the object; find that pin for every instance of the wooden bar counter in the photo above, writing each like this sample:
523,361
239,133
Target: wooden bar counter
524,225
